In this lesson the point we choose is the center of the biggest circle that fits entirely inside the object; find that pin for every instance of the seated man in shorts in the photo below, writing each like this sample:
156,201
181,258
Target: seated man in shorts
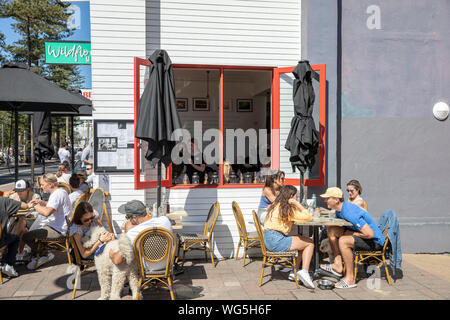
363,235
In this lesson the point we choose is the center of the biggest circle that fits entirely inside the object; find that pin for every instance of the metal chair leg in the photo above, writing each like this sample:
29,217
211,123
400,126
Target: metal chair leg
212,256
356,267
387,271
294,269
77,275
239,246
245,252
169,280
262,271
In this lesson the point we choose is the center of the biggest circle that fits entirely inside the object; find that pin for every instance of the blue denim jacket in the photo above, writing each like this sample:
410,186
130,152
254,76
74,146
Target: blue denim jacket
390,218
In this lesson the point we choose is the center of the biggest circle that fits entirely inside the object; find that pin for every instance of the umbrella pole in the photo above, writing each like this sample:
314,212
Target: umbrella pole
32,151
16,145
72,140
158,196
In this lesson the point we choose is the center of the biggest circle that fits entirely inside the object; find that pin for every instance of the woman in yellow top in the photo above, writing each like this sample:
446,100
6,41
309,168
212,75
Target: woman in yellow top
280,218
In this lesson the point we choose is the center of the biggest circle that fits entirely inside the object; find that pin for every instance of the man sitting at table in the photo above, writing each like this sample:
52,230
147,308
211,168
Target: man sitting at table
363,235
56,209
19,225
9,207
139,219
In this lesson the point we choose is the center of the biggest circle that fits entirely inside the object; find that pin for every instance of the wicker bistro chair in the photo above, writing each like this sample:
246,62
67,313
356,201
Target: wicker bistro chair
155,245
190,241
373,257
62,243
65,186
271,259
247,240
82,265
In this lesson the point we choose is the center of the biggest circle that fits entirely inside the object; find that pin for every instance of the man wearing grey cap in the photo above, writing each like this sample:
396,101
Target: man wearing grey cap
139,219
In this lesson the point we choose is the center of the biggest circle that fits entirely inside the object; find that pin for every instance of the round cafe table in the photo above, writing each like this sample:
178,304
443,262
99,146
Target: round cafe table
316,223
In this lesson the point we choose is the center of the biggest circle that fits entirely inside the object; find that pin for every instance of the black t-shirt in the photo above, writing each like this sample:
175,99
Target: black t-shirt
197,160
8,207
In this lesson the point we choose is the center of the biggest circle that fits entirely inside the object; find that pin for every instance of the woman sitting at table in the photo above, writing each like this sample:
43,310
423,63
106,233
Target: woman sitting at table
280,218
84,218
272,187
354,190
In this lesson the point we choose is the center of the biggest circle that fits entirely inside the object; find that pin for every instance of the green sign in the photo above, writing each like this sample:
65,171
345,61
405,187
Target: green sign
68,52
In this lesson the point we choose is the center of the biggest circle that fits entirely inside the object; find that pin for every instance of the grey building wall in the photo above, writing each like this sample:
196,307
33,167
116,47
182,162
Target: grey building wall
389,66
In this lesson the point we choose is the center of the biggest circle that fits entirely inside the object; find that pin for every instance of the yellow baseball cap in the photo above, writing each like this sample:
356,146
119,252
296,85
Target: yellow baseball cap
333,192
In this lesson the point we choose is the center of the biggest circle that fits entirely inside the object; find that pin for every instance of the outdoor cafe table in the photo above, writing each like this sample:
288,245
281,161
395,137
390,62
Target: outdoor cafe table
177,214
316,223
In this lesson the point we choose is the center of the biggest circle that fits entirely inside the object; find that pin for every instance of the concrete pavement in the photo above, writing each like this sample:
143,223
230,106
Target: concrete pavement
423,279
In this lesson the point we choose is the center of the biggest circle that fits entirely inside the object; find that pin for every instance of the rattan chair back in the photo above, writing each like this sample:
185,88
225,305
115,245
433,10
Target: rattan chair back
65,186
155,245
260,231
211,220
239,219
84,197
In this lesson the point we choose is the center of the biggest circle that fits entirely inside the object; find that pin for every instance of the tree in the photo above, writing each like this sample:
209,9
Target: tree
38,21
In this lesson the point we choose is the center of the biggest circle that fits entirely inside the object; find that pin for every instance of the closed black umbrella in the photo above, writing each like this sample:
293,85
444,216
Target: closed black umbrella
303,138
42,134
157,115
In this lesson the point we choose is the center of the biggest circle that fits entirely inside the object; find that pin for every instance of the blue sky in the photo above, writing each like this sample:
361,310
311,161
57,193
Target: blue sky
80,21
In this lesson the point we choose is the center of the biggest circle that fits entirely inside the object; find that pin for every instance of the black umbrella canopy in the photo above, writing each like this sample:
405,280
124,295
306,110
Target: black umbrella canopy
23,90
158,117
303,138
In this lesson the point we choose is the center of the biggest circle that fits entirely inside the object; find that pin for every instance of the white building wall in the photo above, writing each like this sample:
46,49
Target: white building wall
232,32
249,33
117,36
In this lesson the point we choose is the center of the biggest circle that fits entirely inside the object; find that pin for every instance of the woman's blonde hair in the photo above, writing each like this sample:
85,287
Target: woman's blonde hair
50,178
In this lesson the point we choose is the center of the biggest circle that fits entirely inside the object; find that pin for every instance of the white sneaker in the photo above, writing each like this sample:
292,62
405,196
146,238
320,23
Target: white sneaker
306,279
291,276
42,260
9,271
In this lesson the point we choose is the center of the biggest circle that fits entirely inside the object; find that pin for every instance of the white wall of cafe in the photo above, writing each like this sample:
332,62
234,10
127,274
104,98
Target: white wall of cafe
245,33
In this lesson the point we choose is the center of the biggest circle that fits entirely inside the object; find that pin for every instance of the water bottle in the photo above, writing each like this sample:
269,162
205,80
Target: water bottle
314,198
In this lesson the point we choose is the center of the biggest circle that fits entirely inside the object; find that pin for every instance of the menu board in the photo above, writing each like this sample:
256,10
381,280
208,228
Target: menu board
113,145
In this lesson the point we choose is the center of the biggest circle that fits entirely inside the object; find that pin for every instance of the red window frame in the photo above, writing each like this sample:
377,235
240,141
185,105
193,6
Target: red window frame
138,184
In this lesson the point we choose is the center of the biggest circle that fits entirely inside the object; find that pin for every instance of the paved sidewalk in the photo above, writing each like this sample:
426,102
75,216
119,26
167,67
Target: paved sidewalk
229,280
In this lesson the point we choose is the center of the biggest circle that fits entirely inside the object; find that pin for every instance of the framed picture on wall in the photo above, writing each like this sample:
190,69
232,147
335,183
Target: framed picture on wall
182,104
201,104
228,104
244,105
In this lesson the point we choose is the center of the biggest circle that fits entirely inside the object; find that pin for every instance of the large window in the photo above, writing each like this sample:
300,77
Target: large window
231,116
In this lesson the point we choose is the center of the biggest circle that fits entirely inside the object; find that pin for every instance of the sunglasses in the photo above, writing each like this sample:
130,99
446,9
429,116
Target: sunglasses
88,219
350,191
88,169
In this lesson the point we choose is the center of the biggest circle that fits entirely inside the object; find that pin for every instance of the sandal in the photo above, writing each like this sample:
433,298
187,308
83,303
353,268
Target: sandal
327,267
341,284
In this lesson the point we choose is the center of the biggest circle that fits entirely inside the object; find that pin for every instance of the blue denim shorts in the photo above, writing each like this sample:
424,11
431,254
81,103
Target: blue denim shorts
276,241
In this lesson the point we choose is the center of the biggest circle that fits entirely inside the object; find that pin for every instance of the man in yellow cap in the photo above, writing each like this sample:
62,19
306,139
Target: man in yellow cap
363,235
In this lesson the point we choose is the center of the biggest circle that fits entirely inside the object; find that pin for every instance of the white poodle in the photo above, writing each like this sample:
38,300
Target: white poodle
112,277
